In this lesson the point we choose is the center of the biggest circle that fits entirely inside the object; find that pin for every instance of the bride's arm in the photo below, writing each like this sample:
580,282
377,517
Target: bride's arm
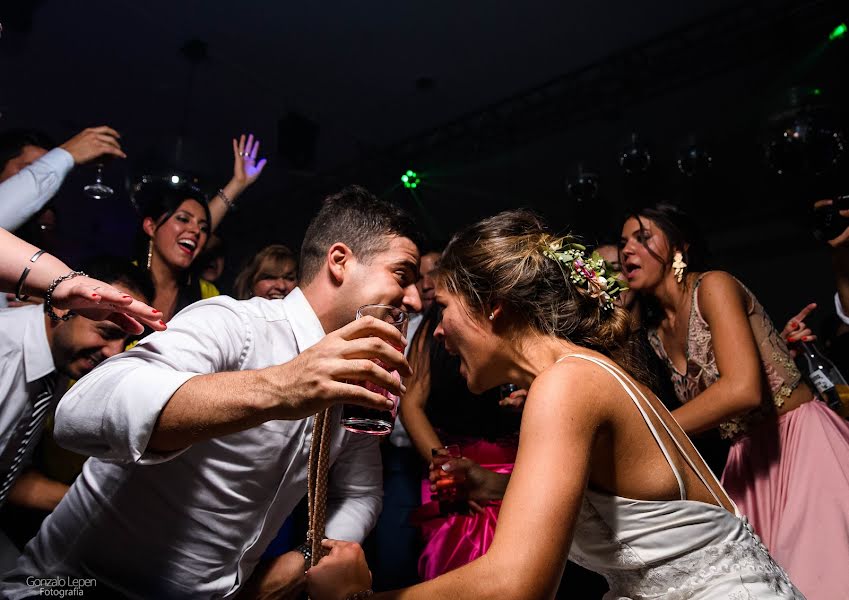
565,408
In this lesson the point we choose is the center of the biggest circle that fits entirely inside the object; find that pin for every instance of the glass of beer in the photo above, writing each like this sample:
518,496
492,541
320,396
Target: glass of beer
360,419
451,498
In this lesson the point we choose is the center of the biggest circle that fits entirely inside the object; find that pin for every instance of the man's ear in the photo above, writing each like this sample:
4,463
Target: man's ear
149,226
339,261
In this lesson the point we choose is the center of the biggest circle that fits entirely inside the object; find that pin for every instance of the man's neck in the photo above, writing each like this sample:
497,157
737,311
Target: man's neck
321,300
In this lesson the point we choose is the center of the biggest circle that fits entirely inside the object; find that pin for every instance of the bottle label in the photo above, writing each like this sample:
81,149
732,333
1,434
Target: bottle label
821,381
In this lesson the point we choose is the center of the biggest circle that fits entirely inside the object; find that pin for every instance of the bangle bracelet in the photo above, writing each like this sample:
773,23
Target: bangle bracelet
48,296
19,296
361,595
227,202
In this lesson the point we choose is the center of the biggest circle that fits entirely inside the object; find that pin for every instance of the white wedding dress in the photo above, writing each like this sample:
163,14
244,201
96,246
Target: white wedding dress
673,549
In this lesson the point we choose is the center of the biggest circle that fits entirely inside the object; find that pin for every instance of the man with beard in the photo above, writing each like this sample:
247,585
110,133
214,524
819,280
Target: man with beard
40,355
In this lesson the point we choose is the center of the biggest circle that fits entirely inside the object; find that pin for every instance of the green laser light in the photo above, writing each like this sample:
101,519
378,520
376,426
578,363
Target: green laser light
410,179
837,32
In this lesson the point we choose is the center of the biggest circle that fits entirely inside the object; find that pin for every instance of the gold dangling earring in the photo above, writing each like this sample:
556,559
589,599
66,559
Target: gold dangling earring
678,266
149,254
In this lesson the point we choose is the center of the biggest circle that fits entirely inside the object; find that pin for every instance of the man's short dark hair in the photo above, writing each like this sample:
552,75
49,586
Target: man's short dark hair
114,269
358,219
12,142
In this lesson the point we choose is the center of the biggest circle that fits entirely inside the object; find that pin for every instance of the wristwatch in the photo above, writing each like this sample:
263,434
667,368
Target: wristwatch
306,550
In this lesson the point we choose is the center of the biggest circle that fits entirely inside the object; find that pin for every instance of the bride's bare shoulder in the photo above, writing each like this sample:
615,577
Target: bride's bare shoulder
575,386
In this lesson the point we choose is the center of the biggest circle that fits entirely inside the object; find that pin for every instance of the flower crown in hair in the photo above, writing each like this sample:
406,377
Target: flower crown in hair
593,273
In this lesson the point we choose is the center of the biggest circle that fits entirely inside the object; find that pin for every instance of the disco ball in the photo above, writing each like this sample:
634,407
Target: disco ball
694,160
583,186
804,145
635,157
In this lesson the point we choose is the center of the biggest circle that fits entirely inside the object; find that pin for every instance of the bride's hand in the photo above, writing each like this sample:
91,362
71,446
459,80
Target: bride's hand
340,574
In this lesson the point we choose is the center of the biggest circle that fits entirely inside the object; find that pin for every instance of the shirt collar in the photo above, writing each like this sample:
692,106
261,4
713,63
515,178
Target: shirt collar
38,360
305,324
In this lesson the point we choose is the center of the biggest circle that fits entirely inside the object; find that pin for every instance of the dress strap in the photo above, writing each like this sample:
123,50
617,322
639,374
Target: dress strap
626,383
682,490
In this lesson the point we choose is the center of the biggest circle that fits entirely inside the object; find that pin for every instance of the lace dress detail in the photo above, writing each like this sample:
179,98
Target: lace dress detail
780,372
674,549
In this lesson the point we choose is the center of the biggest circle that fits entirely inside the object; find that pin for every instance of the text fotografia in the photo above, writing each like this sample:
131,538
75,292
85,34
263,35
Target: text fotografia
61,587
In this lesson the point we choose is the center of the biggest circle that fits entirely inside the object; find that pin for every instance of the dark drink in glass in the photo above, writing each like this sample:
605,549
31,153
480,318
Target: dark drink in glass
360,419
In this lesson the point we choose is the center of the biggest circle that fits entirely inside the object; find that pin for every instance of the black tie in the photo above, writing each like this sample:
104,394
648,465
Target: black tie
21,444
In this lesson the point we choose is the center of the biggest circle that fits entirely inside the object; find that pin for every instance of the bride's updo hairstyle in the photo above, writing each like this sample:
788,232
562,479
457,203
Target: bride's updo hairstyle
501,259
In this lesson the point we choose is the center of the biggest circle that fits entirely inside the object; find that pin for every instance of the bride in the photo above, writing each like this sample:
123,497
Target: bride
603,475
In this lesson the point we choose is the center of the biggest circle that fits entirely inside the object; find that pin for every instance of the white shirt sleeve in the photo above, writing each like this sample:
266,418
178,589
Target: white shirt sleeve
26,192
111,412
355,489
838,308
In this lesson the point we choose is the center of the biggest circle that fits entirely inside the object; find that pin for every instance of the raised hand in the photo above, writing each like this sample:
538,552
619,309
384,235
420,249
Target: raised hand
93,143
246,167
99,301
796,330
340,574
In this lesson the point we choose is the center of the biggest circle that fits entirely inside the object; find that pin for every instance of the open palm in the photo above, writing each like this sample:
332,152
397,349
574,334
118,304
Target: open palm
246,167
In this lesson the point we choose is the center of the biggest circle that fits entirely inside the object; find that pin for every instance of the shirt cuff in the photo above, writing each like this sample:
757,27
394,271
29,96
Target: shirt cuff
838,308
130,424
59,160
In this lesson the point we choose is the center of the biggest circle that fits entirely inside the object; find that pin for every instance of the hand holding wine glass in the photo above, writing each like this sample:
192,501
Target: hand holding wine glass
95,144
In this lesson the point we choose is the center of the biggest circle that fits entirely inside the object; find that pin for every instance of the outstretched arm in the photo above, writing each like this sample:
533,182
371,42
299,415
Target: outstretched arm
87,296
185,385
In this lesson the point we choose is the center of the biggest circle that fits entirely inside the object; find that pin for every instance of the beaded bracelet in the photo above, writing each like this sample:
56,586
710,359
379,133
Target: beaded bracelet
227,202
48,296
20,287
361,595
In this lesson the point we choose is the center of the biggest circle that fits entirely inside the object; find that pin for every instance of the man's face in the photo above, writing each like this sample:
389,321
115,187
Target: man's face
28,155
427,282
388,277
80,344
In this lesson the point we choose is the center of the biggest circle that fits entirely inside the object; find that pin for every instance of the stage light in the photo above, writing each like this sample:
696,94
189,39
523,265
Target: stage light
175,179
410,179
837,32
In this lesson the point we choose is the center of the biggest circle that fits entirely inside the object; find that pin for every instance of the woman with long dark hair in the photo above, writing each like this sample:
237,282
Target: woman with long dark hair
787,468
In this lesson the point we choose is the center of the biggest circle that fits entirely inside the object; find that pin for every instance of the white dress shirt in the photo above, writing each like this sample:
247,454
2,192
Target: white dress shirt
194,523
25,358
26,192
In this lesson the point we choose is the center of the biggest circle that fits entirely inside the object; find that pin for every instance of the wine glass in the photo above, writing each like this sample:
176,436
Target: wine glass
98,190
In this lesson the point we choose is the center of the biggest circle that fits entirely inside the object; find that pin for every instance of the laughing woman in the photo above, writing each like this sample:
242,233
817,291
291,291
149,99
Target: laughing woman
788,467
603,475
176,223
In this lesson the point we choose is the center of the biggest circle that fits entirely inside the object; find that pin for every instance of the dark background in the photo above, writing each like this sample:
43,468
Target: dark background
494,104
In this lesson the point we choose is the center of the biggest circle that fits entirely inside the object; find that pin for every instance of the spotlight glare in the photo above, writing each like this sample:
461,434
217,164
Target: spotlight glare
175,179
837,32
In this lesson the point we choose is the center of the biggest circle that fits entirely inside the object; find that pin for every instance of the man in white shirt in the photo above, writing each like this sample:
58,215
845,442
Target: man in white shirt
39,355
203,431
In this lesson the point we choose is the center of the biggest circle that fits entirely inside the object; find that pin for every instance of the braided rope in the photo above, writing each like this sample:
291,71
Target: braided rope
317,484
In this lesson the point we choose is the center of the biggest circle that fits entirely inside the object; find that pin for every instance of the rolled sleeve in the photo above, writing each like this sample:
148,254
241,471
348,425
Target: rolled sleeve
355,489
111,412
26,192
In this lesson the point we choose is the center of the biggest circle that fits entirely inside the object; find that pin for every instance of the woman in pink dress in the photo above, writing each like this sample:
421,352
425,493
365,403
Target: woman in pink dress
788,467
439,410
